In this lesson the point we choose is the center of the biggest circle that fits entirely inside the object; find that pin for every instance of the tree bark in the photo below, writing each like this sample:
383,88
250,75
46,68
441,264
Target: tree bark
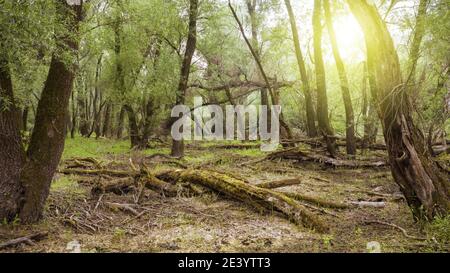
349,116
322,100
309,106
178,146
106,130
425,186
12,156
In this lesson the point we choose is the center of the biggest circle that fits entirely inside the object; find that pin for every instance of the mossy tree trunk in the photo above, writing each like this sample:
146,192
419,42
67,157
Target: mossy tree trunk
424,184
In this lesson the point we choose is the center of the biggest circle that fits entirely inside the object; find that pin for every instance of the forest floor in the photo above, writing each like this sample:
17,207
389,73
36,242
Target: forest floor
213,223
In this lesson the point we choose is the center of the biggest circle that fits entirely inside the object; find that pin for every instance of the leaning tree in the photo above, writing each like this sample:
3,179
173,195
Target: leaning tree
25,175
425,185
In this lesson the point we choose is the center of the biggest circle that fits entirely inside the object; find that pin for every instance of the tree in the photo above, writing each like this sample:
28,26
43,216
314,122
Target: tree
178,145
309,107
322,100
424,184
349,117
25,183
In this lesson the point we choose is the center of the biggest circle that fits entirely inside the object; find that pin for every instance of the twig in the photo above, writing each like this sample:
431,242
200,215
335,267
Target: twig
397,227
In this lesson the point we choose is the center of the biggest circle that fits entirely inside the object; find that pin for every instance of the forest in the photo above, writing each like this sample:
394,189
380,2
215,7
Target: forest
224,126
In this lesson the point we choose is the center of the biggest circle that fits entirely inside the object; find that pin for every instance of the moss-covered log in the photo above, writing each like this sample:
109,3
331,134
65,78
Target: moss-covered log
300,155
114,173
264,200
279,183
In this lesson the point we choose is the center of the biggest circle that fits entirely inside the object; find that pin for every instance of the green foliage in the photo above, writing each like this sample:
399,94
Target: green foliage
440,229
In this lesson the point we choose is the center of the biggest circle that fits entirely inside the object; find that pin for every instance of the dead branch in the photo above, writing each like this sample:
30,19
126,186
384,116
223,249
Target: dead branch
396,227
24,240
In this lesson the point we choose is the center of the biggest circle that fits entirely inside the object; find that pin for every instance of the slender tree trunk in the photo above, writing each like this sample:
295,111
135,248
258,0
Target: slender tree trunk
178,146
149,112
425,186
74,116
120,121
309,106
349,116
419,32
106,130
322,100
134,129
368,113
251,8
97,102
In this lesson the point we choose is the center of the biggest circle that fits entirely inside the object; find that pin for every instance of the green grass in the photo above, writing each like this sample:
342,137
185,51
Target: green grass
91,147
67,185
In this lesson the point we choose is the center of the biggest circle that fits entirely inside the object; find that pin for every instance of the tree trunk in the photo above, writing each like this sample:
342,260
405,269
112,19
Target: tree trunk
368,113
349,116
149,112
120,121
425,186
106,130
251,8
13,155
96,104
309,106
27,178
322,100
419,31
178,146
134,129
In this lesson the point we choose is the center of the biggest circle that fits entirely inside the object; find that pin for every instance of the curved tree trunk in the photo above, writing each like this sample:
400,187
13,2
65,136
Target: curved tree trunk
322,100
309,106
349,116
425,186
178,146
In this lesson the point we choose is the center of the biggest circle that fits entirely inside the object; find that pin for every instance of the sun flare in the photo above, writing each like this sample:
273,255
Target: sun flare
349,37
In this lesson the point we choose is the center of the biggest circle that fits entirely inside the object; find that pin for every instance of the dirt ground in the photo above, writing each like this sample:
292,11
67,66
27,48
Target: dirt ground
213,223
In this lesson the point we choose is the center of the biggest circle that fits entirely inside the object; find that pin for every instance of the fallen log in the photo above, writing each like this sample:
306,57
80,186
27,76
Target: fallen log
279,183
114,173
299,155
153,183
24,240
317,201
369,204
118,186
264,200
